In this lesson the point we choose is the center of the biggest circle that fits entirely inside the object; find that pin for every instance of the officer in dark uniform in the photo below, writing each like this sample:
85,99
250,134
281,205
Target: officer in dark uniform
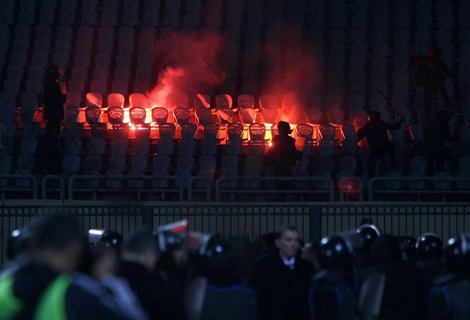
396,287
364,262
450,295
331,294
44,287
429,251
376,133
225,296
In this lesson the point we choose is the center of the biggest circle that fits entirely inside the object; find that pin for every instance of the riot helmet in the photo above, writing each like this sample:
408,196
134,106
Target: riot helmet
429,247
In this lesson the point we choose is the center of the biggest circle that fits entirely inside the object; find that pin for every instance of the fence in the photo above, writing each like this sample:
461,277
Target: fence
243,223
240,189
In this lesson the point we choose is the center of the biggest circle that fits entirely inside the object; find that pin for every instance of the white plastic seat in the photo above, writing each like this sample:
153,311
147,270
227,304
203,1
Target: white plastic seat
138,100
202,101
160,165
29,145
245,101
204,116
119,146
184,167
181,115
207,166
73,146
117,162
93,163
96,146
139,163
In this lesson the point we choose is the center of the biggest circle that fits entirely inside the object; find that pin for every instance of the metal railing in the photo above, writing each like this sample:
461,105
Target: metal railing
19,185
419,188
254,189
165,188
244,223
274,188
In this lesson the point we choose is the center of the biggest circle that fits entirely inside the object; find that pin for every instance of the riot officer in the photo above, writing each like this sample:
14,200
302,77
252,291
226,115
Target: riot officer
331,294
364,261
224,294
451,292
429,251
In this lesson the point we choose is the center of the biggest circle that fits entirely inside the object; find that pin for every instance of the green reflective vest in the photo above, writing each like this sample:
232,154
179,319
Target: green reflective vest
51,305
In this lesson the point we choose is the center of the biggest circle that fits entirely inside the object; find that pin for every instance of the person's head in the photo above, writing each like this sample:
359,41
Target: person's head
171,251
100,262
287,241
368,234
457,254
56,240
283,128
429,247
18,243
336,252
219,257
141,247
374,115
104,238
386,248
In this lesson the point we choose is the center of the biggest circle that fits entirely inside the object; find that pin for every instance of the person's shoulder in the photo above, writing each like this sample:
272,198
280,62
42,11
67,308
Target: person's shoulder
266,261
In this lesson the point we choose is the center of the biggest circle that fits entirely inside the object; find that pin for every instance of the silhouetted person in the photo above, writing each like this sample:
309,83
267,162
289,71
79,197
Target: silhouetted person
44,286
282,155
137,266
375,131
451,292
281,280
53,99
225,296
331,294
434,72
403,294
436,137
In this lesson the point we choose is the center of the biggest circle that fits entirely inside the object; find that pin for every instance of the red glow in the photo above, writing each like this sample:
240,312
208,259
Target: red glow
188,65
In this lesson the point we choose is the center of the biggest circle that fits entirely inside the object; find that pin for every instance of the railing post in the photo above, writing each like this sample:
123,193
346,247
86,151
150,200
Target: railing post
147,217
315,223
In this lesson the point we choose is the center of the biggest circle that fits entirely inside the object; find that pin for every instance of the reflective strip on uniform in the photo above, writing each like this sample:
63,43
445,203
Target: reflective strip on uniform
52,303
9,304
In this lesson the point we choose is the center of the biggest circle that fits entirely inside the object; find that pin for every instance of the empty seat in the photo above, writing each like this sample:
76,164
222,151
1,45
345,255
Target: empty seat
139,163
119,146
257,132
92,164
159,115
223,101
245,101
94,99
181,116
225,116
202,101
137,116
96,146
138,100
204,116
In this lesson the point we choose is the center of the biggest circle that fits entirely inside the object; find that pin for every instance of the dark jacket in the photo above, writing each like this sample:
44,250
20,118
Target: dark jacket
227,299
332,296
282,155
405,293
81,301
154,294
281,292
53,101
450,298
376,133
